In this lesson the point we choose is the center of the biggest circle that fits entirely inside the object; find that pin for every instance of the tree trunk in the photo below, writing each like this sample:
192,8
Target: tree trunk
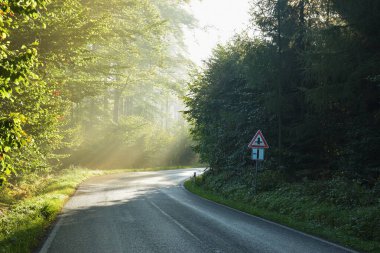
116,105
279,88
301,33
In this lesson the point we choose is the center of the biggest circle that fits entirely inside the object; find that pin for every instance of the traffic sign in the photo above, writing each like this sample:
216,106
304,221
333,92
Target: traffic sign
258,154
258,141
258,145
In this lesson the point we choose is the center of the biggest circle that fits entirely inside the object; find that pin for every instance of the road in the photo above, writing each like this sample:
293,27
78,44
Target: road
152,212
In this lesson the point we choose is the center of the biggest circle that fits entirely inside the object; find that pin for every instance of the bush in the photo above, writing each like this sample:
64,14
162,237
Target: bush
365,223
338,203
270,179
341,191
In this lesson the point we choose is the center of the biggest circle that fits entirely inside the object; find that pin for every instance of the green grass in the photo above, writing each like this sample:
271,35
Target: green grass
30,207
304,214
24,223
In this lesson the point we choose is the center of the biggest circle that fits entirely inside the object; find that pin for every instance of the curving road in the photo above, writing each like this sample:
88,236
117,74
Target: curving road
152,212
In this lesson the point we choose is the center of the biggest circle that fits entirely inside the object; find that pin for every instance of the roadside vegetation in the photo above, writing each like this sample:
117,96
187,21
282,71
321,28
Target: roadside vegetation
29,207
92,84
309,80
338,210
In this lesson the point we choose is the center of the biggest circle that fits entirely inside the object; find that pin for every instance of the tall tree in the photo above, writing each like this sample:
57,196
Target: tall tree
18,76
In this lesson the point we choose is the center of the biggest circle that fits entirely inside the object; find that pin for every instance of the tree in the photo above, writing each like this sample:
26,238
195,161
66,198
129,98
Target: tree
17,76
57,91
312,72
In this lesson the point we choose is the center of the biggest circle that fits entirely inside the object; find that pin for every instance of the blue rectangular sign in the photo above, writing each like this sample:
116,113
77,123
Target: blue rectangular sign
257,154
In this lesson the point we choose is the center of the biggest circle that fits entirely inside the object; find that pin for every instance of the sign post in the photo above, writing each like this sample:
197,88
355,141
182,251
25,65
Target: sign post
258,145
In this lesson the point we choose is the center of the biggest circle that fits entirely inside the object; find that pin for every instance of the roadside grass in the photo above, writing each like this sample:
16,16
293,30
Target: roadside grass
34,205
28,208
303,214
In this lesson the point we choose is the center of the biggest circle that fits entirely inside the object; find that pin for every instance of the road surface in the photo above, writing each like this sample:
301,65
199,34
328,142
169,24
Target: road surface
152,212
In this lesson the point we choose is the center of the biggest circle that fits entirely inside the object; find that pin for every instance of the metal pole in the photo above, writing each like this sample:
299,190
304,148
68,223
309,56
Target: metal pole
254,189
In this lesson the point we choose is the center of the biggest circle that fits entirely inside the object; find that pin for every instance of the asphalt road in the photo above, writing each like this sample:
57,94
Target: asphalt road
152,212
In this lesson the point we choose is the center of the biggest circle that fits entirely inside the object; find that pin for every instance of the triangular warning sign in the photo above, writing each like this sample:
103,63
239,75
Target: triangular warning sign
258,141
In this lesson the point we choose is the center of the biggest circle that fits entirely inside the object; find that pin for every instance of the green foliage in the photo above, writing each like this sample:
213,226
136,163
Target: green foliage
19,83
308,81
35,204
59,58
133,142
11,138
123,89
270,180
342,191
309,206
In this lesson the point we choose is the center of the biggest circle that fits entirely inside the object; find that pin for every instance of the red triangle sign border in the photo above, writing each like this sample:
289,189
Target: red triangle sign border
252,143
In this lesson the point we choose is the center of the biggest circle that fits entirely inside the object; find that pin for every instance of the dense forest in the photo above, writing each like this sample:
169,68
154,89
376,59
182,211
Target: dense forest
91,83
309,79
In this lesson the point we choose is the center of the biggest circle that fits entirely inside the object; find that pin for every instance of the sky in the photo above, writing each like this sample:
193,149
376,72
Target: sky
218,21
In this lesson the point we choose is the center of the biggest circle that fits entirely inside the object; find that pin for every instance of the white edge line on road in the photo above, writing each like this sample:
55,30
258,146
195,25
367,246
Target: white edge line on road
175,221
272,222
51,236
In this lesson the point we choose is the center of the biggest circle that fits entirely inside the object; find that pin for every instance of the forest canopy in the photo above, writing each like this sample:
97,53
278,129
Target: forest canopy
308,78
91,83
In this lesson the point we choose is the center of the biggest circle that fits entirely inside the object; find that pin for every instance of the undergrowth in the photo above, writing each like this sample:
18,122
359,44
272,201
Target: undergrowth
339,209
32,205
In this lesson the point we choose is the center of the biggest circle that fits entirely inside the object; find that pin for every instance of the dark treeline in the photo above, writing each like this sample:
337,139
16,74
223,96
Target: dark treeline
309,79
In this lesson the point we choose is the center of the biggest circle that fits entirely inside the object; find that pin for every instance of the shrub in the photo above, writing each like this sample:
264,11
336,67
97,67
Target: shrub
270,180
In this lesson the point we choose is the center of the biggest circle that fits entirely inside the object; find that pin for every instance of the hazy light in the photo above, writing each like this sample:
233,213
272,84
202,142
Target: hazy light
219,20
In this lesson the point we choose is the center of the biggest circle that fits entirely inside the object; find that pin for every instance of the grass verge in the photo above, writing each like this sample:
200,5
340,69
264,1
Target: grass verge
28,209
266,205
35,206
